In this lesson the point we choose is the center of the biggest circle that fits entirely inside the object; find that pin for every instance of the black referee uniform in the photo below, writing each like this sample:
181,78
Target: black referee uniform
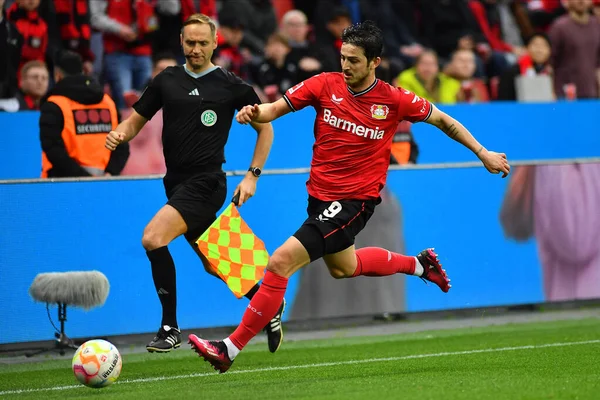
197,115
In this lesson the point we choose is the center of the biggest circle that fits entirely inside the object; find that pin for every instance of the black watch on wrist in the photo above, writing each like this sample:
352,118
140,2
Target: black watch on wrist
255,171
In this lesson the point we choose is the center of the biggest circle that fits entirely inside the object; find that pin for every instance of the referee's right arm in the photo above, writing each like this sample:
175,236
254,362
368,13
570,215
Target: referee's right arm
143,110
126,130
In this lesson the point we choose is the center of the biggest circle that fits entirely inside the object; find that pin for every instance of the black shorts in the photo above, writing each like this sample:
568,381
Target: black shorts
198,199
332,226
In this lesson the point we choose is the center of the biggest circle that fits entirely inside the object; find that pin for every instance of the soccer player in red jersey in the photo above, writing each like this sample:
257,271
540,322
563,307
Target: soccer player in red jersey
357,116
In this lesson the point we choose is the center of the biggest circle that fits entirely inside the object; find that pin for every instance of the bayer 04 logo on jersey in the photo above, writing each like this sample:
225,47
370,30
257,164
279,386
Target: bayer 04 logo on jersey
208,118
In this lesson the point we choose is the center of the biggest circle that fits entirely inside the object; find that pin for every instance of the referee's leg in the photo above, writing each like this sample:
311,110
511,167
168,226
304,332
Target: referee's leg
165,226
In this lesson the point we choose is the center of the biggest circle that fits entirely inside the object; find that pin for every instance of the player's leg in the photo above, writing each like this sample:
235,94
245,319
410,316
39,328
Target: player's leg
340,222
375,261
165,226
274,328
284,262
205,214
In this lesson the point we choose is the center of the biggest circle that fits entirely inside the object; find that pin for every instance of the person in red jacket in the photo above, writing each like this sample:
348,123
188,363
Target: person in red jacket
73,17
128,26
543,12
206,7
24,15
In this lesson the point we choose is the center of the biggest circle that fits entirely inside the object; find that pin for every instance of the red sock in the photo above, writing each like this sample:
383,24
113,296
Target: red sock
375,261
262,308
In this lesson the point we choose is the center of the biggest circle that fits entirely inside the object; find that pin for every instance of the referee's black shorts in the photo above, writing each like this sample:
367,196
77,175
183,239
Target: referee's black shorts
332,226
198,198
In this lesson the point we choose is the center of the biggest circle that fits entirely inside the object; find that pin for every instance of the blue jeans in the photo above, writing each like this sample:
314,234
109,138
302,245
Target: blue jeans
97,47
125,72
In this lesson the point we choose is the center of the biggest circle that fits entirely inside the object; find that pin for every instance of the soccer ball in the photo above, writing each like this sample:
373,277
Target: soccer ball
97,363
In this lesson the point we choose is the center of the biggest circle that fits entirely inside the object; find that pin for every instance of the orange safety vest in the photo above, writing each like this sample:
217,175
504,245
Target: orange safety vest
401,152
401,143
84,132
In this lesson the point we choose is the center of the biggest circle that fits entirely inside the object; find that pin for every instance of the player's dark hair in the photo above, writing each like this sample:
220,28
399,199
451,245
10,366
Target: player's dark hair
367,36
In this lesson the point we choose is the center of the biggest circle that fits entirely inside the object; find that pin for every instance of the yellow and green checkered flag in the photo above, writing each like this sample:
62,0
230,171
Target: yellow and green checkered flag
235,253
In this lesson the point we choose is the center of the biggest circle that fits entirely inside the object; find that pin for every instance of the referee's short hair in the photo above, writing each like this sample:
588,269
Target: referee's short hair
200,19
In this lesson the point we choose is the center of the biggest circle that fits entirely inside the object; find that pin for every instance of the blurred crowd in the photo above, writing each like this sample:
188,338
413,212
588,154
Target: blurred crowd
448,51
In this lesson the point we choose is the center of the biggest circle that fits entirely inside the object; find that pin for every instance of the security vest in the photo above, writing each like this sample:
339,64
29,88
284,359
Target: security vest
403,146
84,132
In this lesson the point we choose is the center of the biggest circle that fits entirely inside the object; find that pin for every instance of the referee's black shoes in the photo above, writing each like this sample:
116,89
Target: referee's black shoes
166,339
274,331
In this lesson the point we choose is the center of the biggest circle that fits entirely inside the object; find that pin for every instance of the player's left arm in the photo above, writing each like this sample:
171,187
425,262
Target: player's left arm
493,162
262,148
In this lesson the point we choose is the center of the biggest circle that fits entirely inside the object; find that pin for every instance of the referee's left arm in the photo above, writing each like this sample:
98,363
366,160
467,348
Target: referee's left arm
247,187
264,141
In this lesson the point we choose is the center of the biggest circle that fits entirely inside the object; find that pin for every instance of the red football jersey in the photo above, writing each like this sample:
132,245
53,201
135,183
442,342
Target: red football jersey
353,133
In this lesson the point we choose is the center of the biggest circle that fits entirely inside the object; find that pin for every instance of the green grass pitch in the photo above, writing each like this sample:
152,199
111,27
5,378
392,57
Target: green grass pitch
550,360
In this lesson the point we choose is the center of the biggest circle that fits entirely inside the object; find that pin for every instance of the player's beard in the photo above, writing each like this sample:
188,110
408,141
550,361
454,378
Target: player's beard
356,79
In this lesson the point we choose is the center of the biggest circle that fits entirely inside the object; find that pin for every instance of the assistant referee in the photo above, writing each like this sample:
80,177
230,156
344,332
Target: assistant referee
199,101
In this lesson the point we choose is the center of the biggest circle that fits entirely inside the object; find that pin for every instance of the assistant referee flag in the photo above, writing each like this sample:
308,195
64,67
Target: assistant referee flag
234,252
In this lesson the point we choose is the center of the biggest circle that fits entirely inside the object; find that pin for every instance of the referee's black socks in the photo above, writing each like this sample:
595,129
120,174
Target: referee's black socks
163,273
252,292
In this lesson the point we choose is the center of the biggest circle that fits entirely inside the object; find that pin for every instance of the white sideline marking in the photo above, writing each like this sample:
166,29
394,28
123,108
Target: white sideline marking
319,365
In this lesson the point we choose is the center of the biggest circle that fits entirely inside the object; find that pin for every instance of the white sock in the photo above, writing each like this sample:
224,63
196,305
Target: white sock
419,270
232,351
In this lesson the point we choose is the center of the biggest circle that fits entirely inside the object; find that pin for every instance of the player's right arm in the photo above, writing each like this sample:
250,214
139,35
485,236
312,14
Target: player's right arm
305,93
263,113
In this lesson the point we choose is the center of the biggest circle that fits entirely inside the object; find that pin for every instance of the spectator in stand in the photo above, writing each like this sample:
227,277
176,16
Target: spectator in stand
146,148
34,85
426,81
575,39
206,7
396,19
487,15
329,39
321,11
276,73
535,61
462,67
450,25
596,9
504,22
75,32
128,26
229,53
24,15
257,18
304,53
11,43
543,12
